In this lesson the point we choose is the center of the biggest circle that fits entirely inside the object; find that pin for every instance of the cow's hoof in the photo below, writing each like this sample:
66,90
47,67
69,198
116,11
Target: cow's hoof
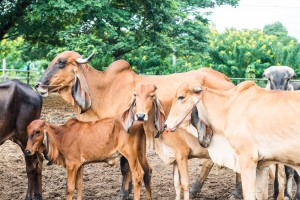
38,197
123,196
237,193
195,189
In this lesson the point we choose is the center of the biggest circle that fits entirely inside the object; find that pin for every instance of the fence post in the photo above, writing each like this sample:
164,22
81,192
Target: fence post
4,69
28,74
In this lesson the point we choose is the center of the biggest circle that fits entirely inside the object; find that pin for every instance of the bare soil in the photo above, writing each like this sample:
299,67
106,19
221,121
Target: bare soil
100,180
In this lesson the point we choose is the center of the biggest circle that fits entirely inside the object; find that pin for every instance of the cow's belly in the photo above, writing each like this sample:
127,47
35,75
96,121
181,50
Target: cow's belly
285,150
222,154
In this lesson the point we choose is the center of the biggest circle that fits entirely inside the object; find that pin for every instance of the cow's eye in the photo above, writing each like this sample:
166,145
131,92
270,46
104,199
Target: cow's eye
180,97
152,96
38,132
61,63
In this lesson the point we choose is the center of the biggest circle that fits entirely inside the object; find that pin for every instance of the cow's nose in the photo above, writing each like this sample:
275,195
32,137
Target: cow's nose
37,85
140,117
27,152
165,126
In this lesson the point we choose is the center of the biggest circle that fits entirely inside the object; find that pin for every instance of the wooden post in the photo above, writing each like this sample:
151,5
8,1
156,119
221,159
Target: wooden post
28,74
4,69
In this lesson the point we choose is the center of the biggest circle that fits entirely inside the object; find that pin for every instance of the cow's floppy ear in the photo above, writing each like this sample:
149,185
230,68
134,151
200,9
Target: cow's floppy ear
128,116
80,93
204,132
160,117
45,140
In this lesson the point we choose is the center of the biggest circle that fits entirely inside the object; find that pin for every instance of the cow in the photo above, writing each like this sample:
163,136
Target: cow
98,94
19,105
77,143
253,121
279,79
147,108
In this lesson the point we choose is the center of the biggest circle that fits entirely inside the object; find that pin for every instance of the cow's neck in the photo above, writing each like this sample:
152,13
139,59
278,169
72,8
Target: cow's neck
105,102
54,142
213,109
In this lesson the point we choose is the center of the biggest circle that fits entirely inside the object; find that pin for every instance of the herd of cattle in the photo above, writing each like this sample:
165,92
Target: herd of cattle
196,114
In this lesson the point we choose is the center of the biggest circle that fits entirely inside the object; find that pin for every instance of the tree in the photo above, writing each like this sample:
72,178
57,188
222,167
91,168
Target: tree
113,27
276,29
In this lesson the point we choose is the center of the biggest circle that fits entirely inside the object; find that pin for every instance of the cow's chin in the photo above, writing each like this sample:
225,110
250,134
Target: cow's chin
43,92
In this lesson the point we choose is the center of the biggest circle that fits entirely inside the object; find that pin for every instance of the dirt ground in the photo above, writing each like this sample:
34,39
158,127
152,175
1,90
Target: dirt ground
100,180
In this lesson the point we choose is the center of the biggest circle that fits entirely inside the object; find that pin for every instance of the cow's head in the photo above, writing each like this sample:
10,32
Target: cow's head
65,75
37,138
279,77
144,106
185,110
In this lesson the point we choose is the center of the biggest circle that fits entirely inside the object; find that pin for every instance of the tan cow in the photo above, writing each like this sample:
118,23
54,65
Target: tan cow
95,94
77,143
181,145
260,125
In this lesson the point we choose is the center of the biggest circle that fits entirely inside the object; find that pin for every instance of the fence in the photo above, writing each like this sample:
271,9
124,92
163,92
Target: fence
27,75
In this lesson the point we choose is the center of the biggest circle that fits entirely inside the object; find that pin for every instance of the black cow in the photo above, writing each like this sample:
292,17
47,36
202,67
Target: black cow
19,105
279,79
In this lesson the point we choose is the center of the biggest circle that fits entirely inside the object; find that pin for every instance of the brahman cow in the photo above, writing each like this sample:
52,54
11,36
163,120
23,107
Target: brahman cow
181,146
279,79
77,143
19,105
95,94
251,119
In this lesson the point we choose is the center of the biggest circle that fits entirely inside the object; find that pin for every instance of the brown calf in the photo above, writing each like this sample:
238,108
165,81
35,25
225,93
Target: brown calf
77,143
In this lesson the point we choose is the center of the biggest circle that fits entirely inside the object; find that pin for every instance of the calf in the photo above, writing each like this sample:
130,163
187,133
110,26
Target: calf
77,143
279,79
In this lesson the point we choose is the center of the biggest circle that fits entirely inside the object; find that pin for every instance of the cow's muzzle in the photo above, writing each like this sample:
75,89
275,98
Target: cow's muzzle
27,152
140,117
40,89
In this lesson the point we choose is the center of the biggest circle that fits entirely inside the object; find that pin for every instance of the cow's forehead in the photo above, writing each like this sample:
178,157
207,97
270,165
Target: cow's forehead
36,124
66,55
187,87
144,88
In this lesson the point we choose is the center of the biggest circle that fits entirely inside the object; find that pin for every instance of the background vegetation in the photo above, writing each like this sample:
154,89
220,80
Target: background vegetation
156,37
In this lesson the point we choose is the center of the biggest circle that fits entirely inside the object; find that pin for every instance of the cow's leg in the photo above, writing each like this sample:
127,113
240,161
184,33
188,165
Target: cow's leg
176,178
34,174
182,163
146,167
79,182
289,174
137,175
71,178
262,179
237,192
205,167
297,180
248,174
126,179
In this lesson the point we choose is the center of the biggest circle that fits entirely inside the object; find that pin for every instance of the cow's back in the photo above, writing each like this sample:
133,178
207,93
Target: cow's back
19,105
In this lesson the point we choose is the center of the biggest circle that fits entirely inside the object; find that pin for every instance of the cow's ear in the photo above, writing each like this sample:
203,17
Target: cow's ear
160,117
266,73
204,132
80,93
128,116
45,140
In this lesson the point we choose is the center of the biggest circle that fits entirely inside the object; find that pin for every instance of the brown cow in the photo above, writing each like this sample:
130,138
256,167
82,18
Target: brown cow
95,94
77,143
181,146
253,121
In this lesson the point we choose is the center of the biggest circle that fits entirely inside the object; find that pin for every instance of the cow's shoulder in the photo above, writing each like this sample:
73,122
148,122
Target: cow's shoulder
118,66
